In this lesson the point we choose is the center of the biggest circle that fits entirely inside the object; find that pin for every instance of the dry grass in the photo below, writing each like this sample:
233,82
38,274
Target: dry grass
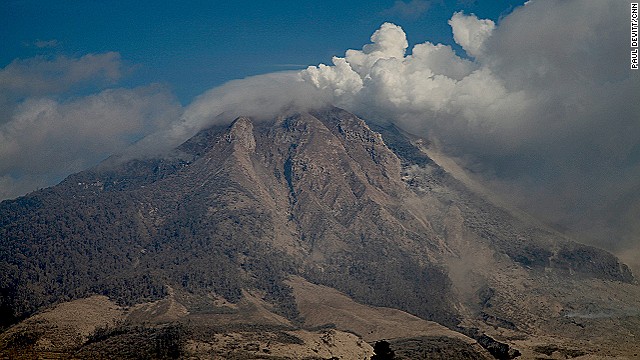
320,305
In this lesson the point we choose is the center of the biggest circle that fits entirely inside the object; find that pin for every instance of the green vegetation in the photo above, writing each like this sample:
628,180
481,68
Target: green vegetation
382,351
434,348
135,342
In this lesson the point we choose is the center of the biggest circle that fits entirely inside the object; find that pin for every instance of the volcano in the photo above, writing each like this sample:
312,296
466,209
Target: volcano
309,236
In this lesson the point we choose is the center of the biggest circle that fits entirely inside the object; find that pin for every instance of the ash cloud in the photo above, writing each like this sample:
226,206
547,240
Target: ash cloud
543,106
471,32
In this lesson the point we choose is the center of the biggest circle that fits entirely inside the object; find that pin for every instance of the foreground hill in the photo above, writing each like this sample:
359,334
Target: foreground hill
256,223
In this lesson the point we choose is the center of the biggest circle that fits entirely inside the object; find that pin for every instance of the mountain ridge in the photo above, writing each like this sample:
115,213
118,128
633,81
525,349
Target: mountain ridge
318,195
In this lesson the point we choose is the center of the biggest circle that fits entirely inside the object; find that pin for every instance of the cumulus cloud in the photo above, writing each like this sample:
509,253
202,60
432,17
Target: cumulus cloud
545,106
382,82
47,132
471,32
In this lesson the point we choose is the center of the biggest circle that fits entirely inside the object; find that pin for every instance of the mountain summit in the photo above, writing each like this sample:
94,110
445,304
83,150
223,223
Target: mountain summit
283,224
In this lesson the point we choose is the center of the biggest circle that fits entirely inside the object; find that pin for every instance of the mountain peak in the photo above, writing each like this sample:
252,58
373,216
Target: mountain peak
241,133
239,210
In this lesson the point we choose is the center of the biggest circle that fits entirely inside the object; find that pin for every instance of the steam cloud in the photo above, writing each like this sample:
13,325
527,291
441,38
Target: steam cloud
543,105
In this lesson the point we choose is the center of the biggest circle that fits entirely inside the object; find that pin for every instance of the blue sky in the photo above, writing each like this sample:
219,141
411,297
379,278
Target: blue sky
194,45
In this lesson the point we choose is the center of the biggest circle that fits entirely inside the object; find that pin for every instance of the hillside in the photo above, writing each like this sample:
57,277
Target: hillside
238,221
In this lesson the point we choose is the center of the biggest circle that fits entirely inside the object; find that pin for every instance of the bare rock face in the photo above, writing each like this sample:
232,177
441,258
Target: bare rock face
217,229
241,133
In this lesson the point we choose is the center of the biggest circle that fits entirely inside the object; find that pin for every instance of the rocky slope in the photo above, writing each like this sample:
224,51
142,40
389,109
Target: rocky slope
226,225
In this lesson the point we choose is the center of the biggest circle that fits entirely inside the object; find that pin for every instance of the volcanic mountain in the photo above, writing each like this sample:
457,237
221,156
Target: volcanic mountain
311,235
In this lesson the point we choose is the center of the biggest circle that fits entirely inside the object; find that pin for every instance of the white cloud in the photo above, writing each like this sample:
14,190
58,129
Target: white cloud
387,42
261,97
44,138
339,78
40,75
380,81
471,32
547,107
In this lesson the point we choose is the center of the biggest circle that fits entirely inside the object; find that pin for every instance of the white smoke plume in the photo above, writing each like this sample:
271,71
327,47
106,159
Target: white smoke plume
261,97
471,32
543,105
432,86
